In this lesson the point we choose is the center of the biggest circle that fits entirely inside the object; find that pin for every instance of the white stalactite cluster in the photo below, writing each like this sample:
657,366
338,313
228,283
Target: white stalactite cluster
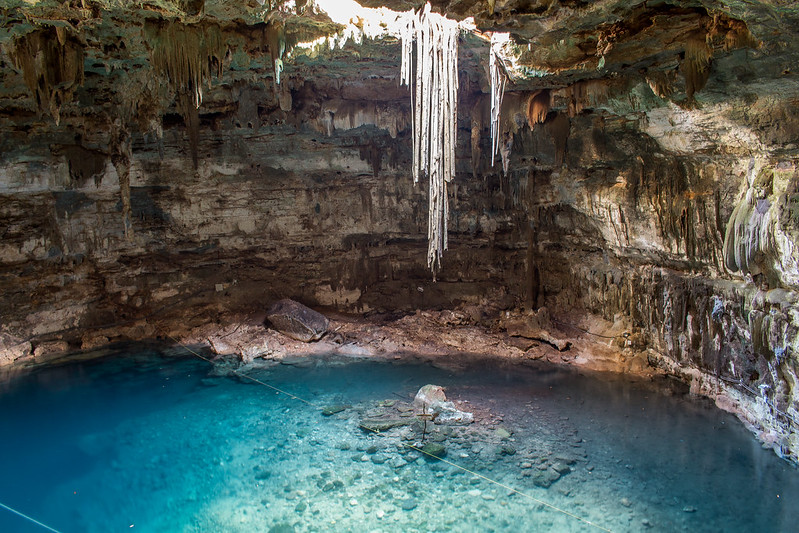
434,86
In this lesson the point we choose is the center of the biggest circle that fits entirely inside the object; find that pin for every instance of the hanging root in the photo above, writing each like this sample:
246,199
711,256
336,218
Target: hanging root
435,112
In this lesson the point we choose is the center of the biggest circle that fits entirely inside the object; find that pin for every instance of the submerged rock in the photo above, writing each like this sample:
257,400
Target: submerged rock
297,321
383,424
408,504
331,410
545,478
282,528
434,450
429,396
431,400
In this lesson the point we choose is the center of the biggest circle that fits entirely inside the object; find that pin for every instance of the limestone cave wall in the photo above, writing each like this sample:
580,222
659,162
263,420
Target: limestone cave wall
165,165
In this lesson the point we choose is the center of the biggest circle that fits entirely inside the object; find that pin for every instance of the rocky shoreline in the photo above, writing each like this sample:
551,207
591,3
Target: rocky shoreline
449,338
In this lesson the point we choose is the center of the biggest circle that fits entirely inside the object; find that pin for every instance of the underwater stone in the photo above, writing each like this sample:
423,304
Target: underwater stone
507,449
561,468
431,400
502,433
434,449
429,396
330,410
408,504
545,478
282,528
383,424
398,462
297,321
379,458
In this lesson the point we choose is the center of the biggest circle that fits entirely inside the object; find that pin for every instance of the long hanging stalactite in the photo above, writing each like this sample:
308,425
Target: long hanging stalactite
498,79
433,79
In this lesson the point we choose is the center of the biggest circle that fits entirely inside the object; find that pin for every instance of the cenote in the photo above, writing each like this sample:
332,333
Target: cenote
145,439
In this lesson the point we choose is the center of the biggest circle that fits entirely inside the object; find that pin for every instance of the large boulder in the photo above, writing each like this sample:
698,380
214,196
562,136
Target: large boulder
297,321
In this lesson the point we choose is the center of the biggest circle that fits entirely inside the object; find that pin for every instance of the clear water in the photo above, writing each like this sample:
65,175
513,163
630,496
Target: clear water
143,442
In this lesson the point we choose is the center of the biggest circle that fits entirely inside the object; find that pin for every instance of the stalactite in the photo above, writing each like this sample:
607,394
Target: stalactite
435,113
587,93
188,57
749,237
274,37
695,67
498,80
120,148
661,82
538,107
52,66
191,116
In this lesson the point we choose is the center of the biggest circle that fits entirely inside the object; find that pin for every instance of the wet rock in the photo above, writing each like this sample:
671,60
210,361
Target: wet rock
297,321
51,348
534,326
301,507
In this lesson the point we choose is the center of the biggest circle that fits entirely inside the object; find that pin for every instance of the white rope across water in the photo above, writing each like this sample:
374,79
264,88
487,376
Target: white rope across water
434,98
26,517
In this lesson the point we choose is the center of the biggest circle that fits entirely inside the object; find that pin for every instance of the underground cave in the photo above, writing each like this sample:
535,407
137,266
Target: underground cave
315,265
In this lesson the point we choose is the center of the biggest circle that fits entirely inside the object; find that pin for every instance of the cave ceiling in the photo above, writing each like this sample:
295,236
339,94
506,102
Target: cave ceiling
90,56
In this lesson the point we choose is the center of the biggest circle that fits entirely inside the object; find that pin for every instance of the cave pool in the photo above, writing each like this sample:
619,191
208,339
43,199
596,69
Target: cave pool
154,439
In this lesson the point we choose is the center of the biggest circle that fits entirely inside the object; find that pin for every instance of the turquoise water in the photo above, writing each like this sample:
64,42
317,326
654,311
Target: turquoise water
139,441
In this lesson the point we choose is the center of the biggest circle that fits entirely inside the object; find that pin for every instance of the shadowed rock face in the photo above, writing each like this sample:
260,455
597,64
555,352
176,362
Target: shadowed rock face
657,189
